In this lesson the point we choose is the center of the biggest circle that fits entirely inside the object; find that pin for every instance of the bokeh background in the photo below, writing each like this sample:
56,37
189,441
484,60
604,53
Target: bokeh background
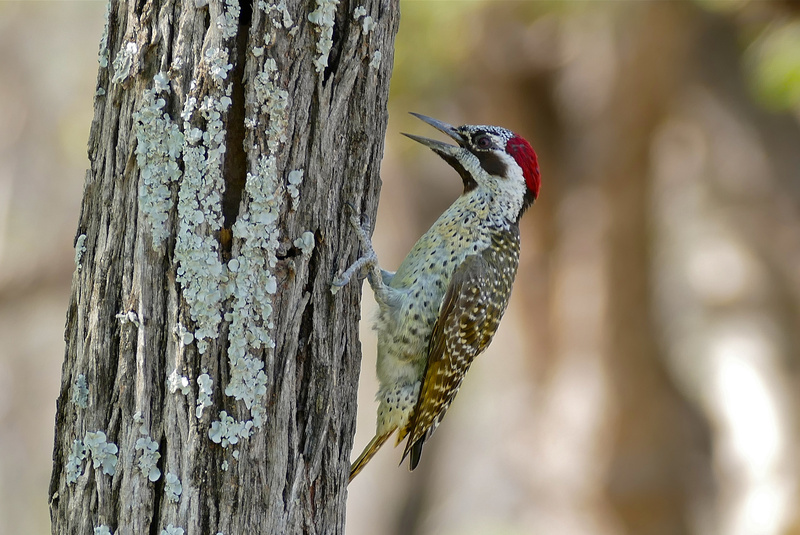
645,377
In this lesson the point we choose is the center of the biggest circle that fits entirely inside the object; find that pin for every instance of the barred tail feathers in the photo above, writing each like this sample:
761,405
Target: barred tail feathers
369,452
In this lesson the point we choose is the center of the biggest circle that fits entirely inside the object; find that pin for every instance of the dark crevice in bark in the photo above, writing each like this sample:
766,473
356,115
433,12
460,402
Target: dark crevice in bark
58,455
138,7
153,521
235,170
245,15
292,252
336,48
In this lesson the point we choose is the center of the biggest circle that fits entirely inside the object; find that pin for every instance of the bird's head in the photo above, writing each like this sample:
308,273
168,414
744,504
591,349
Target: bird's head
488,157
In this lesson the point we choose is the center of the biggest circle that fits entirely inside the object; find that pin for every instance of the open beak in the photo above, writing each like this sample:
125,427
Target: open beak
439,147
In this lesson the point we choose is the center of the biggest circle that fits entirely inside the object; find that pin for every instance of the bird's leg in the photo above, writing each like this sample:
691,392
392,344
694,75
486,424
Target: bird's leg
369,260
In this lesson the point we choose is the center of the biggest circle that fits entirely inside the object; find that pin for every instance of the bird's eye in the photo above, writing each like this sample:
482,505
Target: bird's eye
483,142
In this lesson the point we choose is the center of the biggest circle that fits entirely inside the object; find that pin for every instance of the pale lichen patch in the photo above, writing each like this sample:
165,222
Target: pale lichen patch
205,383
80,392
104,454
249,283
367,25
148,459
227,430
295,179
138,419
228,21
159,144
77,454
376,59
80,248
161,82
200,270
324,18
375,62
252,286
172,488
274,102
172,530
305,243
102,530
252,283
129,317
123,62
217,63
278,10
184,336
176,381
102,57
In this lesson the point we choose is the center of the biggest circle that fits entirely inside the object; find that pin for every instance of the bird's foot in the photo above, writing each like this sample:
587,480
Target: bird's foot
369,259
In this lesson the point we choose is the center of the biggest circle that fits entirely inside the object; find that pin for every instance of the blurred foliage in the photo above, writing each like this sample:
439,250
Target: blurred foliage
429,48
438,37
774,60
770,34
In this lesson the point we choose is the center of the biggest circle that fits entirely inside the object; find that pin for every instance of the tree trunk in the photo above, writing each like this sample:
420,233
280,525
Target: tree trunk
210,376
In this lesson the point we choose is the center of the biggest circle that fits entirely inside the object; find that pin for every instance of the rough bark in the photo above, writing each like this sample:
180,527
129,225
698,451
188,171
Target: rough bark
199,252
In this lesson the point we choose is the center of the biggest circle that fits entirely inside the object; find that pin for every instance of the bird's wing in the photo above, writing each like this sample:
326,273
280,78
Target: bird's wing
468,318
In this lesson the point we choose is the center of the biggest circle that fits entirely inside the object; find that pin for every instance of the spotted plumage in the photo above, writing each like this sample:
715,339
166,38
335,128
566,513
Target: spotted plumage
441,308
470,314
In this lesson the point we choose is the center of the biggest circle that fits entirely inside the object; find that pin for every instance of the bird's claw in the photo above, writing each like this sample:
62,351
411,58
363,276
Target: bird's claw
369,259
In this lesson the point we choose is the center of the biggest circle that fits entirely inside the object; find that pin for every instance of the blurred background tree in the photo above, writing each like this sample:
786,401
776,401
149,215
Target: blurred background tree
645,377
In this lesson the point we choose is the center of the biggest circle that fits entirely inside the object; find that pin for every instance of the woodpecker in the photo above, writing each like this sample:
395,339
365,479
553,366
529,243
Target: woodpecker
442,306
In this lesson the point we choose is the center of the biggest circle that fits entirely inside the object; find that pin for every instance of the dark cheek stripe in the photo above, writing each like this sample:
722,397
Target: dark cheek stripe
491,163
469,182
